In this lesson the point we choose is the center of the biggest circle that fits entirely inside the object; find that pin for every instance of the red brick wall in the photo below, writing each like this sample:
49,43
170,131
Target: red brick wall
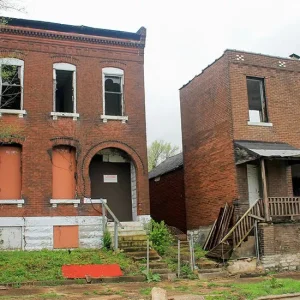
279,238
167,202
210,174
282,93
88,134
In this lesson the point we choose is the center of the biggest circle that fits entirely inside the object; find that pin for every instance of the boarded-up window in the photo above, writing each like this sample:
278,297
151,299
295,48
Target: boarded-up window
10,172
65,237
63,172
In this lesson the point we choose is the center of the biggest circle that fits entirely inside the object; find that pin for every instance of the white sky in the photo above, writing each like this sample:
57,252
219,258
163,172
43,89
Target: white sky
183,37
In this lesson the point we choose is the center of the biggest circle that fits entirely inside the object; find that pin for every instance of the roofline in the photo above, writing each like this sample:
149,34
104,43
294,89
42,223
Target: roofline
240,51
164,173
76,32
216,60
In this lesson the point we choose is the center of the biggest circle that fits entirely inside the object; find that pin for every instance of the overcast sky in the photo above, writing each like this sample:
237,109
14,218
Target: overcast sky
183,37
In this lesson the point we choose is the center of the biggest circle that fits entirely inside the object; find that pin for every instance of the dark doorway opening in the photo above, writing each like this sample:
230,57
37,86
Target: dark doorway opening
112,181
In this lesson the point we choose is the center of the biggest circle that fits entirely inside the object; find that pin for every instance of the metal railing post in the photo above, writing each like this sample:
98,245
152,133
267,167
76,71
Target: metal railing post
116,235
104,223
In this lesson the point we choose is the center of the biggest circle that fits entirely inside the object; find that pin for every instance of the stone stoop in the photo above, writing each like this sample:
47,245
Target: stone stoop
133,242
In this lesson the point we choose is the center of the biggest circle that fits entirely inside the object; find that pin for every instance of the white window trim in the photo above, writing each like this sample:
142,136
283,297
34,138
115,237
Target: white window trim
93,201
54,202
19,63
110,71
64,67
265,124
19,202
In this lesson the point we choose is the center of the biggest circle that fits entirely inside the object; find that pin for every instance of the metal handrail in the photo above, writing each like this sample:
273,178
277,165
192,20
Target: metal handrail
117,223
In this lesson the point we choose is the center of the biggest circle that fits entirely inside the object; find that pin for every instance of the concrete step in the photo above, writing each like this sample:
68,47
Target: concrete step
216,270
156,265
129,238
134,248
129,232
124,224
125,244
151,258
127,228
142,254
213,275
160,271
206,264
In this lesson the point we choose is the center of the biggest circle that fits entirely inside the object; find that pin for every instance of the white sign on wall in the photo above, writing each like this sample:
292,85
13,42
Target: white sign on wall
110,178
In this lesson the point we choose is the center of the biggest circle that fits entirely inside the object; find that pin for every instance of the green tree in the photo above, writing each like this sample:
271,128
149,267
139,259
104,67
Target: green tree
158,151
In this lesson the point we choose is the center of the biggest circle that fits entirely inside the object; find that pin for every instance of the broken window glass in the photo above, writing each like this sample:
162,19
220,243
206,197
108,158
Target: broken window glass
256,100
64,91
11,88
113,95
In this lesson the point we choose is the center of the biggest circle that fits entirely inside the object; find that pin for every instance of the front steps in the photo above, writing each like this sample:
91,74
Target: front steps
133,242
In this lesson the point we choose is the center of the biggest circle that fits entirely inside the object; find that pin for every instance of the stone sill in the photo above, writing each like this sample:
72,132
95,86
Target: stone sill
94,201
19,112
19,202
124,119
54,202
264,124
55,115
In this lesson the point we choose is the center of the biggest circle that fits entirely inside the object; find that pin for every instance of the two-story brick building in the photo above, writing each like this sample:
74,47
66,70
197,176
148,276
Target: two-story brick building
72,130
241,139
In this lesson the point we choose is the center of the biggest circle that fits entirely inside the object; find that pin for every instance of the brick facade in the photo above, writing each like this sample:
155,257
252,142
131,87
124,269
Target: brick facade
40,49
167,199
214,113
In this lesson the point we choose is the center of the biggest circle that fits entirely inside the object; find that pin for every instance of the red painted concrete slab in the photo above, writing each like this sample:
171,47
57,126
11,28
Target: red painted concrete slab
95,271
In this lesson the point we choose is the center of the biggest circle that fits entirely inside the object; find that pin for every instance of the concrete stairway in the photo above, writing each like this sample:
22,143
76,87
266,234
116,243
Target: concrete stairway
133,242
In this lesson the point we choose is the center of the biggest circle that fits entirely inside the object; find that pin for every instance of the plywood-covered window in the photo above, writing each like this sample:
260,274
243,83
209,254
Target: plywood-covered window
63,172
65,237
10,172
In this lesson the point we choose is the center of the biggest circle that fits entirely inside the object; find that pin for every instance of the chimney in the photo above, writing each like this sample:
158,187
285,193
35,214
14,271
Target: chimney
294,56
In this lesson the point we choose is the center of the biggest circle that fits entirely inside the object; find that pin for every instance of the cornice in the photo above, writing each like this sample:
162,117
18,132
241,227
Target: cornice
78,38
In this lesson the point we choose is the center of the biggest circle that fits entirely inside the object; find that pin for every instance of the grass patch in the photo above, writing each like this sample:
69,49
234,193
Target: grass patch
146,291
44,265
267,287
50,296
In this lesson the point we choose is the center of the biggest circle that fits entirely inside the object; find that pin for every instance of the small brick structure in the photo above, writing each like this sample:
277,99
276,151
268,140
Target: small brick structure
279,246
166,185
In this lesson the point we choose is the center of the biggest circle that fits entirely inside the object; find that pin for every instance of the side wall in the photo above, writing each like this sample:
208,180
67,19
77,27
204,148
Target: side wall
167,202
210,173
279,246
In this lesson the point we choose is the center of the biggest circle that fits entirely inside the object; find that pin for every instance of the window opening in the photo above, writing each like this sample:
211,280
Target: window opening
64,93
113,95
11,87
256,100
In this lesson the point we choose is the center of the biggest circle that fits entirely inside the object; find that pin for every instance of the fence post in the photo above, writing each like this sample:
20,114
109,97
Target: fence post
178,271
148,257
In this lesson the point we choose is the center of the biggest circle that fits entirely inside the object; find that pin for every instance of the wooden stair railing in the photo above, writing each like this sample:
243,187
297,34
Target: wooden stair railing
239,231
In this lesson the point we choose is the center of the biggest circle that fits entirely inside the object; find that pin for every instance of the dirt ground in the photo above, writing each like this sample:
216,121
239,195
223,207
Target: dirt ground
177,290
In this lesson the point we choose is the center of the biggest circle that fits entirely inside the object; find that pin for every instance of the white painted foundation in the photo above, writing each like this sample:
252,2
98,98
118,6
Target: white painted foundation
37,232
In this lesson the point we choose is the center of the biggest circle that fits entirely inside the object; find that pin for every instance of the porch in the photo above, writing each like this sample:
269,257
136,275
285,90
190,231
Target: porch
271,172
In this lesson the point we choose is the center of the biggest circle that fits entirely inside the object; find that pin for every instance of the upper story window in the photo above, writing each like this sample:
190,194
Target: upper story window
64,95
257,100
113,94
11,85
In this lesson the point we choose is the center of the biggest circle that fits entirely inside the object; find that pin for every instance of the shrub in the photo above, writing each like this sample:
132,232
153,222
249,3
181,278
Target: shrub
107,240
160,237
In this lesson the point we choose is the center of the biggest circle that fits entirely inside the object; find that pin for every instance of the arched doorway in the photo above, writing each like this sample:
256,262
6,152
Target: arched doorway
113,177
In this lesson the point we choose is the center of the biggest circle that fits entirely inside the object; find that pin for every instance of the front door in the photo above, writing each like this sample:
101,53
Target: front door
253,183
111,181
